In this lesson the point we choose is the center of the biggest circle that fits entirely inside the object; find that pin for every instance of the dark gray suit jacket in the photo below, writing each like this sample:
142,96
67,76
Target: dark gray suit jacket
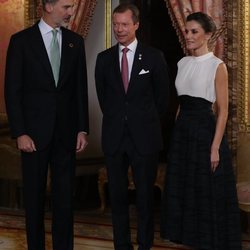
143,104
35,106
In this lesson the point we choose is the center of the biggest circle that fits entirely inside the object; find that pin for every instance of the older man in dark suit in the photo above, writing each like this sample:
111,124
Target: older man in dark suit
47,105
132,87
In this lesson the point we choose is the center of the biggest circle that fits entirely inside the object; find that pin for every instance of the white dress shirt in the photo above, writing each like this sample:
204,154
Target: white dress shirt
130,55
47,35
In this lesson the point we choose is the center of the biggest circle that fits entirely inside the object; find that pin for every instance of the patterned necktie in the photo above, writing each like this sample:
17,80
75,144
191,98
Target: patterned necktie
124,68
55,55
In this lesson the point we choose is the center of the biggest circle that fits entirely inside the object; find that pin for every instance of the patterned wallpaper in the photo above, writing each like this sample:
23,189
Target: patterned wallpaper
11,21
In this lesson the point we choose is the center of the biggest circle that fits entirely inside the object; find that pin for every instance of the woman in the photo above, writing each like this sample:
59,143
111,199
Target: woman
200,206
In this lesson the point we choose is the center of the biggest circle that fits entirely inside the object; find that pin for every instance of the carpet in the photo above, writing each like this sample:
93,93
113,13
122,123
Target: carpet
91,226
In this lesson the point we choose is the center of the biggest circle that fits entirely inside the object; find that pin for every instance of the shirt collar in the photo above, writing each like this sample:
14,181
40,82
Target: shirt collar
132,46
45,28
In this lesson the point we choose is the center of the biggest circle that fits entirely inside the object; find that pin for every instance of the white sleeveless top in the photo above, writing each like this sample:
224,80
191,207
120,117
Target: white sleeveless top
196,76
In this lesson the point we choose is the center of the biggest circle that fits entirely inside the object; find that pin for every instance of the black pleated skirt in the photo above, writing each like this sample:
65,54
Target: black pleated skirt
199,207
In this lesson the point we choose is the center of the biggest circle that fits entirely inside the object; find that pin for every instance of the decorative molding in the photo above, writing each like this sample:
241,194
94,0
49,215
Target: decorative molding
232,62
26,12
108,24
30,12
243,60
81,20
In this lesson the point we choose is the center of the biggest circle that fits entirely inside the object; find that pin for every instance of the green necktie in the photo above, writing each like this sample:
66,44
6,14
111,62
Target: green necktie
55,55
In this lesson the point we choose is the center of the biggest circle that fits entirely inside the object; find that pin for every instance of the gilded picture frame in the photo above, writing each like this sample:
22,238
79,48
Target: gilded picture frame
244,66
30,13
108,30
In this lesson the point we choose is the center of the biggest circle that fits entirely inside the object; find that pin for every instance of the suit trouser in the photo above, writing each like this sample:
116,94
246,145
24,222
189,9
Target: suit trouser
62,169
144,169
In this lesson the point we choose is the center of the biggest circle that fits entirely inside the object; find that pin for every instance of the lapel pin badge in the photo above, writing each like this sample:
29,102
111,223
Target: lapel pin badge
71,45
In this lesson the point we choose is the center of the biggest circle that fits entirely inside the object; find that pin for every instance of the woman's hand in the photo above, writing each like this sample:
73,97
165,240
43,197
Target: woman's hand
215,158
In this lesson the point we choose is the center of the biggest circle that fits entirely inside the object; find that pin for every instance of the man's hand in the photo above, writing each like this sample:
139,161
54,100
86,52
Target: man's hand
26,144
81,142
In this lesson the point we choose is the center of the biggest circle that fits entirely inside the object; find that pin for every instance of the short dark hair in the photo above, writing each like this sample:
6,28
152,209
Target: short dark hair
121,8
206,22
44,2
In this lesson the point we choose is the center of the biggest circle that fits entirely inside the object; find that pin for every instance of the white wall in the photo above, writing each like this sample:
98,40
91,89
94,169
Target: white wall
95,43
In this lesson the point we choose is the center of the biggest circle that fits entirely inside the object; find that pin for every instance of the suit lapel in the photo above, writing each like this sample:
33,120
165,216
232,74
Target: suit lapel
136,66
67,46
39,50
115,55
41,53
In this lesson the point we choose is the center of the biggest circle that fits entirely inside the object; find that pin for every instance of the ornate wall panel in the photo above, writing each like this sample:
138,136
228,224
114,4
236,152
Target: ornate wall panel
244,66
231,59
242,46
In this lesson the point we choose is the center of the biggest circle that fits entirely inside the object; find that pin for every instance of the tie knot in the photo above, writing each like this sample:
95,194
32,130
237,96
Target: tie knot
125,50
54,32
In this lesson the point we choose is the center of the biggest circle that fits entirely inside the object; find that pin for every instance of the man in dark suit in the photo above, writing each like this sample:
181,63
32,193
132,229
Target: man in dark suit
47,105
131,132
